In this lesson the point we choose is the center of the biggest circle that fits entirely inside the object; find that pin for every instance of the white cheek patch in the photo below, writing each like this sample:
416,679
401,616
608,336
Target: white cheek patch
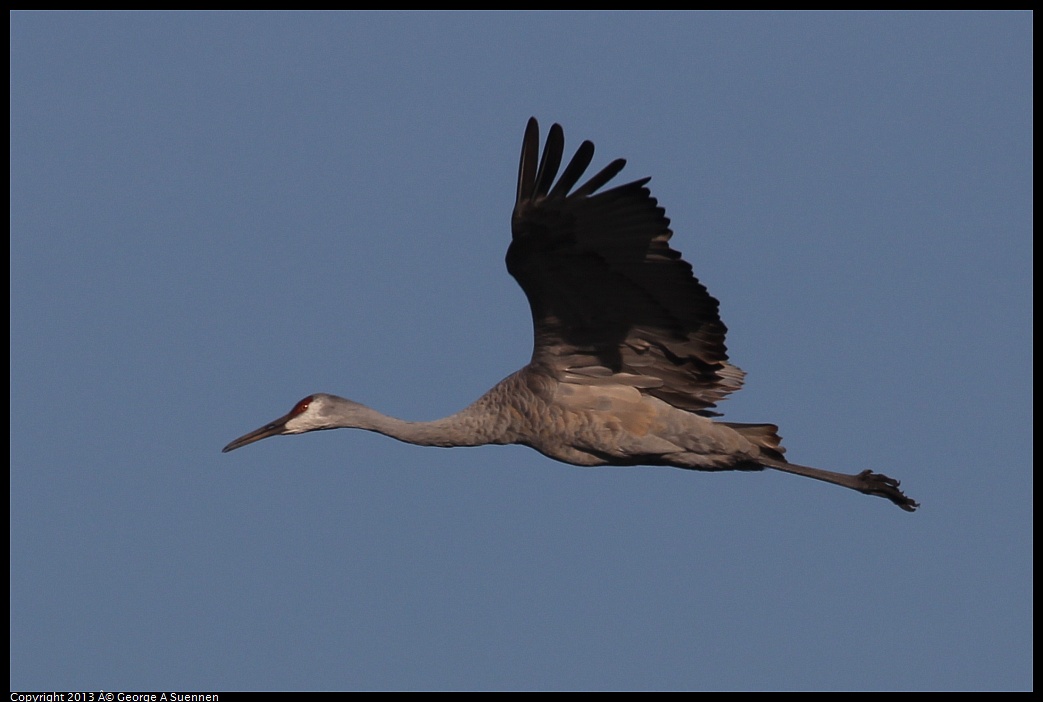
308,421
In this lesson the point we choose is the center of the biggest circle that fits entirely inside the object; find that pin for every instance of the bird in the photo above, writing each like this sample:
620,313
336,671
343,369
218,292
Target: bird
629,358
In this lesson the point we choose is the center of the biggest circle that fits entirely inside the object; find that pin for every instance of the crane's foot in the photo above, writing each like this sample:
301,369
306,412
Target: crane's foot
882,486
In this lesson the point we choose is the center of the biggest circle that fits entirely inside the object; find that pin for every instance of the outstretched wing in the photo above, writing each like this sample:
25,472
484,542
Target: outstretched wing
611,301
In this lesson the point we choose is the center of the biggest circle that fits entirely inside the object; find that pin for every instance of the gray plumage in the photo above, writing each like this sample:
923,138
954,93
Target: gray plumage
628,358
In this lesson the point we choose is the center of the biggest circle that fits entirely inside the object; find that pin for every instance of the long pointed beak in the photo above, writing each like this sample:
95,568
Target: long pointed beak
271,429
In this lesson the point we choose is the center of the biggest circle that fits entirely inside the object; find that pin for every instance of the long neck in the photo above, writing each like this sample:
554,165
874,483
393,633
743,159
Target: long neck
500,416
469,427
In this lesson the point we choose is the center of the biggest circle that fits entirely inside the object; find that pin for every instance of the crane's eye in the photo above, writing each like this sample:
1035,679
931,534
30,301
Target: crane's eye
301,407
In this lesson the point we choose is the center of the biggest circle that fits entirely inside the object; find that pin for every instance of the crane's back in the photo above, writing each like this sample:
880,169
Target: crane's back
611,422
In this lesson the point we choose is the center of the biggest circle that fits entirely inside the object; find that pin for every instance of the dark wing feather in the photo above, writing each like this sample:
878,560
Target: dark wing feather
608,294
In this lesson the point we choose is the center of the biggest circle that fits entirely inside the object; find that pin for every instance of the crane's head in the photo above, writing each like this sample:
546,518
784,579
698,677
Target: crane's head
319,411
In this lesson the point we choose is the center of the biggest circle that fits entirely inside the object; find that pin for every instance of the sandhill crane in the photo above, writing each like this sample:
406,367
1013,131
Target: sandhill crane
629,357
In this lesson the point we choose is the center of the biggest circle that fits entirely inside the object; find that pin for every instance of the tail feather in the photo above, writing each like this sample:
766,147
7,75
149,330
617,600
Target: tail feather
765,436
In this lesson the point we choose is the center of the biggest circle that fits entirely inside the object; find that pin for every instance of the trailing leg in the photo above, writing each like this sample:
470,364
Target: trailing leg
866,482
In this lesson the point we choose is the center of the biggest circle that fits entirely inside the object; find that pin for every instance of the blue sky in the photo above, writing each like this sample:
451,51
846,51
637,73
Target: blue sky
213,215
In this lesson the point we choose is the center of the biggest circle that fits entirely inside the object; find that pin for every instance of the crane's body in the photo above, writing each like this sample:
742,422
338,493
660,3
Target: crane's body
629,357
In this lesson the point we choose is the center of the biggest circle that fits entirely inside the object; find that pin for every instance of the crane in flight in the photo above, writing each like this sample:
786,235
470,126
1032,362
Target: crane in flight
628,357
